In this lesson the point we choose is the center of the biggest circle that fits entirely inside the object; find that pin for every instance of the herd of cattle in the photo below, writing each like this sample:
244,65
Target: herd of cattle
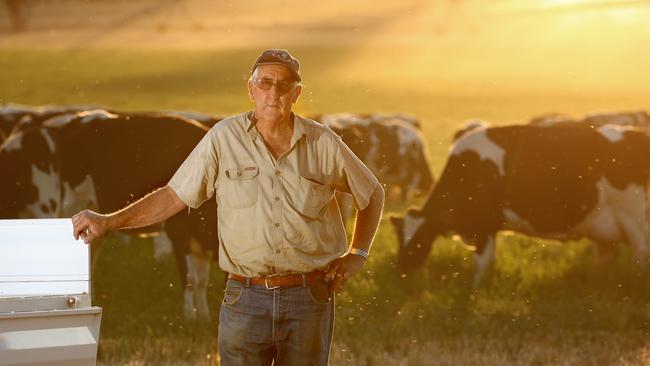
57,160
554,177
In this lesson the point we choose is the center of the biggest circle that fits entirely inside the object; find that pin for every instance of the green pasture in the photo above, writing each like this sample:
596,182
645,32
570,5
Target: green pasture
545,303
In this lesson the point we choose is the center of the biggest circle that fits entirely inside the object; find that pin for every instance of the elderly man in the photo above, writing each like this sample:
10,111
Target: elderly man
282,240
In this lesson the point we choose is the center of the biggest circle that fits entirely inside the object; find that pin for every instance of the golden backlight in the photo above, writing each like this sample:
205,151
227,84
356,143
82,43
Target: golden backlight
568,46
573,46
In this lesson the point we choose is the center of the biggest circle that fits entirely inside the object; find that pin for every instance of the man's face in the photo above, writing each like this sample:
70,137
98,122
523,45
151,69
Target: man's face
273,91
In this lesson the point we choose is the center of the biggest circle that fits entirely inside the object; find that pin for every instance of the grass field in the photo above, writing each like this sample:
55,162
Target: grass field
545,303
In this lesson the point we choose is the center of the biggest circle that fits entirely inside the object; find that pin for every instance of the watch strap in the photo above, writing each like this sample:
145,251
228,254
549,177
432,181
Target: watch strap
359,252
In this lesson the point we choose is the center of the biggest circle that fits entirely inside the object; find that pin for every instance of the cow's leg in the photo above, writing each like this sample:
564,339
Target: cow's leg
176,229
483,258
196,290
200,279
631,216
189,309
162,246
636,232
189,250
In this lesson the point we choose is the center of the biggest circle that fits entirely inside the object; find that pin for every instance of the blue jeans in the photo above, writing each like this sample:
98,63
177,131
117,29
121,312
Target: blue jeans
285,326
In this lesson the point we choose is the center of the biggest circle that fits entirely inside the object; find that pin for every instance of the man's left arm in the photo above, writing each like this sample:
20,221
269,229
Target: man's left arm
365,228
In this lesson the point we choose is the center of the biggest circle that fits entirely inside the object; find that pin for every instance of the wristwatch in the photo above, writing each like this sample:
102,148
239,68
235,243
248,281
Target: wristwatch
359,252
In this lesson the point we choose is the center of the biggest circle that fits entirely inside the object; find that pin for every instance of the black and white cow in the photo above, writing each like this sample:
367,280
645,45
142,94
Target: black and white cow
559,181
549,119
103,161
639,119
392,147
636,119
10,115
469,126
207,120
17,117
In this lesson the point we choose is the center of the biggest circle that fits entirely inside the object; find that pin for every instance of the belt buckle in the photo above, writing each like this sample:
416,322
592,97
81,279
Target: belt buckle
266,283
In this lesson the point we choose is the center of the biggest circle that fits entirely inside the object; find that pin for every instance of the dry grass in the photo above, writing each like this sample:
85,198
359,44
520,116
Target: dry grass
545,304
535,349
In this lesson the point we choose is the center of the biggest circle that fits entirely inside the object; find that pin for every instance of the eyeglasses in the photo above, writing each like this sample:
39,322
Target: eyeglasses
266,84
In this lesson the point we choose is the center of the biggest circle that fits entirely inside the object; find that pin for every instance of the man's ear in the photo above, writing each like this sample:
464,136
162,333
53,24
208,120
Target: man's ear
250,89
297,93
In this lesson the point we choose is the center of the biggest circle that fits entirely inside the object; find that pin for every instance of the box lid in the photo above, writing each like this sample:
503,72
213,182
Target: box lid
40,258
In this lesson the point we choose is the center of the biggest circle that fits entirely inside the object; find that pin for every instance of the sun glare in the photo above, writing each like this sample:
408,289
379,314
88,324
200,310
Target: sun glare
563,2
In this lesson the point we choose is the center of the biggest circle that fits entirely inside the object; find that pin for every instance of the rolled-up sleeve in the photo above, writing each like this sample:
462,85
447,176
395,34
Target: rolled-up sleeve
352,175
194,181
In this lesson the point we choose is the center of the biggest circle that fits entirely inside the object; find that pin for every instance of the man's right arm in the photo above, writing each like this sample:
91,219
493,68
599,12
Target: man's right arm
153,208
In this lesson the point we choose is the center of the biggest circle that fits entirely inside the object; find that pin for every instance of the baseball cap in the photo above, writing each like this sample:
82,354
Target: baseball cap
279,57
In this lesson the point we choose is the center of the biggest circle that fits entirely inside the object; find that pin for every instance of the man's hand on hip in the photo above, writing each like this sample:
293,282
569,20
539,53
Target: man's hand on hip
341,269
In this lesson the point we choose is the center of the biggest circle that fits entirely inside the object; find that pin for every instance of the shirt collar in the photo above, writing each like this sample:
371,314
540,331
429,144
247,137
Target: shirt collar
250,129
299,127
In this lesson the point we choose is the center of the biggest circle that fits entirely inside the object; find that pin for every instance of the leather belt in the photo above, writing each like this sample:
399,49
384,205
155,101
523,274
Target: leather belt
281,279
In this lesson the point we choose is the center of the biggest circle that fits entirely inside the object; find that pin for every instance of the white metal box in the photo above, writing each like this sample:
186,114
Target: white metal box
46,316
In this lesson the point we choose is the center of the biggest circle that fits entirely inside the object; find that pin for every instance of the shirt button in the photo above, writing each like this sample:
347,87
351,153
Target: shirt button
277,251
277,172
277,224
277,198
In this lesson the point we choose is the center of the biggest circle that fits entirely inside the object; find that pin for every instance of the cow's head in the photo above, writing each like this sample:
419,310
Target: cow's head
414,237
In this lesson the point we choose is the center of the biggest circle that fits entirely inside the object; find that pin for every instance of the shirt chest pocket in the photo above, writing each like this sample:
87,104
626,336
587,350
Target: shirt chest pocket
312,197
239,188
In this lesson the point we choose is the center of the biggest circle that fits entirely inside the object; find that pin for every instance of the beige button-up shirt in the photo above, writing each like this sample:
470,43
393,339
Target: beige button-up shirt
274,216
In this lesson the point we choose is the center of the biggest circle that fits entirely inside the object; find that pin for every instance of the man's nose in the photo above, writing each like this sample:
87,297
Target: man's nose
275,90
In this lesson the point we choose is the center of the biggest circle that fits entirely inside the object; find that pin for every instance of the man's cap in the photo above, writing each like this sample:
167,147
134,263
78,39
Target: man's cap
279,57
